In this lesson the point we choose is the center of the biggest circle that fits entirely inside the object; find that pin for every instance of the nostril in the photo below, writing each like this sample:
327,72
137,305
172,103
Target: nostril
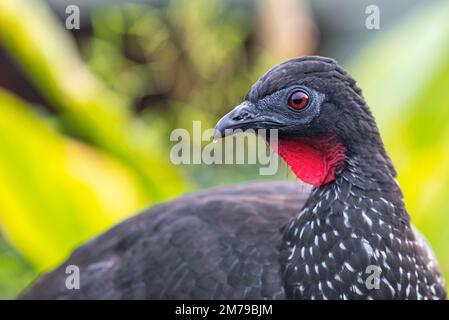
241,116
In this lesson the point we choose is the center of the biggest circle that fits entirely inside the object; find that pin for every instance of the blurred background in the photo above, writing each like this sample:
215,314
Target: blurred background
86,114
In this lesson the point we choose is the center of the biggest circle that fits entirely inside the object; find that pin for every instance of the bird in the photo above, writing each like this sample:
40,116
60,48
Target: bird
347,236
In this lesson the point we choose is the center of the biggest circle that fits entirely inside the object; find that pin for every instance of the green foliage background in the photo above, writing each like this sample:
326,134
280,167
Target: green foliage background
67,175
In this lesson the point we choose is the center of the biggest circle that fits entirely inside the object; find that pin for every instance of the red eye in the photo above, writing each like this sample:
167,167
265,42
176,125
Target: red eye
298,100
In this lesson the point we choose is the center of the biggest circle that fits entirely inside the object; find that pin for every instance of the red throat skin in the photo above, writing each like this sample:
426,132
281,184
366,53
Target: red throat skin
314,160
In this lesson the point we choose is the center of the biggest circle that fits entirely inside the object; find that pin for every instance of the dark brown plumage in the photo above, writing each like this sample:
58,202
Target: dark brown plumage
221,243
270,240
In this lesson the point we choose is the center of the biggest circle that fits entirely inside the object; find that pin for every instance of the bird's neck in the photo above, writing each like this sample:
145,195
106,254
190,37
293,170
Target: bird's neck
353,214
362,185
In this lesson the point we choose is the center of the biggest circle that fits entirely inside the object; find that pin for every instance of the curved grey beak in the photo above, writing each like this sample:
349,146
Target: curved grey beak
241,117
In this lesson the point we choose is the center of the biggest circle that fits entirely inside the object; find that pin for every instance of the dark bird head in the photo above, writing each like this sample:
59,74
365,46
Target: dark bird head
320,115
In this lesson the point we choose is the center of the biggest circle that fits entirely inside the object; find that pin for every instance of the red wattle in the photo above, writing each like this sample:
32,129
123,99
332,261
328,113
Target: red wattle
314,160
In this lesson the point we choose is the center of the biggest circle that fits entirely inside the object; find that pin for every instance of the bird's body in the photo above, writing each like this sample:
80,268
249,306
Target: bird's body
221,243
350,238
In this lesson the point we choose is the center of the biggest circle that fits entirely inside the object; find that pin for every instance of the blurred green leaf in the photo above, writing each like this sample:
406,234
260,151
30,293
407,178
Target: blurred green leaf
15,272
88,108
55,192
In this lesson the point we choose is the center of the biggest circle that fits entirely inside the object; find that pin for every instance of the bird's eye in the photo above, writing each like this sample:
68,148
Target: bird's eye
298,100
